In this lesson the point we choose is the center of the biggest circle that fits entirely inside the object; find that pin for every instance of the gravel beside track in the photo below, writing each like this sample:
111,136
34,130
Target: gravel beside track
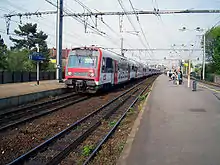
19,116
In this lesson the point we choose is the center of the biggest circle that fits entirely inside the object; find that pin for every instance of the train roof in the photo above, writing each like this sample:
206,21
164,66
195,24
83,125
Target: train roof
137,63
94,48
111,54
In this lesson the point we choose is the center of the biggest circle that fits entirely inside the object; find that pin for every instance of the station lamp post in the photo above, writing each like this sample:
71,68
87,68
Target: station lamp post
204,44
180,60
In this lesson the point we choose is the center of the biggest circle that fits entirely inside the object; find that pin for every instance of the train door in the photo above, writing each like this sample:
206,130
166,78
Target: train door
136,72
110,72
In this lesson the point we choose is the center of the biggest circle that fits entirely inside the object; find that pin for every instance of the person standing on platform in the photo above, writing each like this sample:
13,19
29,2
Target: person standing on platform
181,77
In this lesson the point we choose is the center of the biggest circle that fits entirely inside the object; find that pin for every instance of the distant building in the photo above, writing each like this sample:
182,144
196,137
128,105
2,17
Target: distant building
53,54
65,53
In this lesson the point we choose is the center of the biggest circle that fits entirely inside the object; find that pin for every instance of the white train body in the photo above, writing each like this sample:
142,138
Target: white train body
90,68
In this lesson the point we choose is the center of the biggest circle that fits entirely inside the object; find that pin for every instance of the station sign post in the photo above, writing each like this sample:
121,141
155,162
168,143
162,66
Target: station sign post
38,57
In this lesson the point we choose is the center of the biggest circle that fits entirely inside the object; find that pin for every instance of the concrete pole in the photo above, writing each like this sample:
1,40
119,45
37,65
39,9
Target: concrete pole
38,73
122,52
38,67
189,68
203,68
57,34
59,40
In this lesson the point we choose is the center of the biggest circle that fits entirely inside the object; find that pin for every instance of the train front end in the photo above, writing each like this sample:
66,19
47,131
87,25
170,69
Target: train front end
82,70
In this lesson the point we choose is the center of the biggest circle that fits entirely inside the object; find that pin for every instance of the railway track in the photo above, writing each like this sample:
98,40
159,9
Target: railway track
21,115
117,118
58,147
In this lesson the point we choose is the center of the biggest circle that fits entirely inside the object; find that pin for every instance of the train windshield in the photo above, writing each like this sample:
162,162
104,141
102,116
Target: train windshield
76,61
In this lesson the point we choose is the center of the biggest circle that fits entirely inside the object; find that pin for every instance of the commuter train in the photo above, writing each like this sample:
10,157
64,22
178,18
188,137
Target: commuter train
91,68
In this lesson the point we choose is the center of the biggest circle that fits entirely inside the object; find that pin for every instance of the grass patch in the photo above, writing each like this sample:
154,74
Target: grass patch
131,111
112,123
121,146
87,150
143,97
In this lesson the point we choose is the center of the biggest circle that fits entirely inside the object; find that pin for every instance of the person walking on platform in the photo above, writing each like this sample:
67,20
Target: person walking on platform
170,74
180,77
174,77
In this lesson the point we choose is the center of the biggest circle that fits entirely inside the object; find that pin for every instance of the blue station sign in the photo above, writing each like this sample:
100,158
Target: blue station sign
37,56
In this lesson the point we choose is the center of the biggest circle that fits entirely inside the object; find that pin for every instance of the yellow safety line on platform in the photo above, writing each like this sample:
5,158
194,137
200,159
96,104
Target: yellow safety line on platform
217,91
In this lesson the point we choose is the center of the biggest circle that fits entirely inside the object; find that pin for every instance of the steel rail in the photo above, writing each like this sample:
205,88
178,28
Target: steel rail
41,113
34,105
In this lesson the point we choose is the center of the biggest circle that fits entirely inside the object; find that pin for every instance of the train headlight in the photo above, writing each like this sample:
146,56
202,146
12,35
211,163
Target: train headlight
69,73
91,74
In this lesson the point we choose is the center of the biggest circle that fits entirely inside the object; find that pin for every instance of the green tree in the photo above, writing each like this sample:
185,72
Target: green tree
3,54
30,37
213,50
18,57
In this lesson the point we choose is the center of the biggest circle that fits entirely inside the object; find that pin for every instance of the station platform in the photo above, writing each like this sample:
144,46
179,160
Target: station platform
16,89
177,126
15,94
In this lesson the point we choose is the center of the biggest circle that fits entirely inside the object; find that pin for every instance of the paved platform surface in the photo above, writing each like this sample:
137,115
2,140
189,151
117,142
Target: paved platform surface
178,127
16,89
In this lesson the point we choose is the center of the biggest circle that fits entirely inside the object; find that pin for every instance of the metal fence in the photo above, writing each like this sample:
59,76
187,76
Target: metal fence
17,77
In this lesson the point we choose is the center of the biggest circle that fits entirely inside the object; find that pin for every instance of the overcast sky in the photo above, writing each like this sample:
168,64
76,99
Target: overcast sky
161,32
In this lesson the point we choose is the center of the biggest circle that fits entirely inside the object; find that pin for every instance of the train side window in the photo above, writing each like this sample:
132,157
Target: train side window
109,65
103,65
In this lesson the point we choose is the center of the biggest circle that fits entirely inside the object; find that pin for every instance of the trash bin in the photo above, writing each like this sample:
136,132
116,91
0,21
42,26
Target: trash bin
194,85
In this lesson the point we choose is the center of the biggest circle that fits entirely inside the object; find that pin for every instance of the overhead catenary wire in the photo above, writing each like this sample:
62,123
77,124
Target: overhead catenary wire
29,14
129,19
136,12
78,19
101,19
22,9
46,24
67,11
142,31
14,34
